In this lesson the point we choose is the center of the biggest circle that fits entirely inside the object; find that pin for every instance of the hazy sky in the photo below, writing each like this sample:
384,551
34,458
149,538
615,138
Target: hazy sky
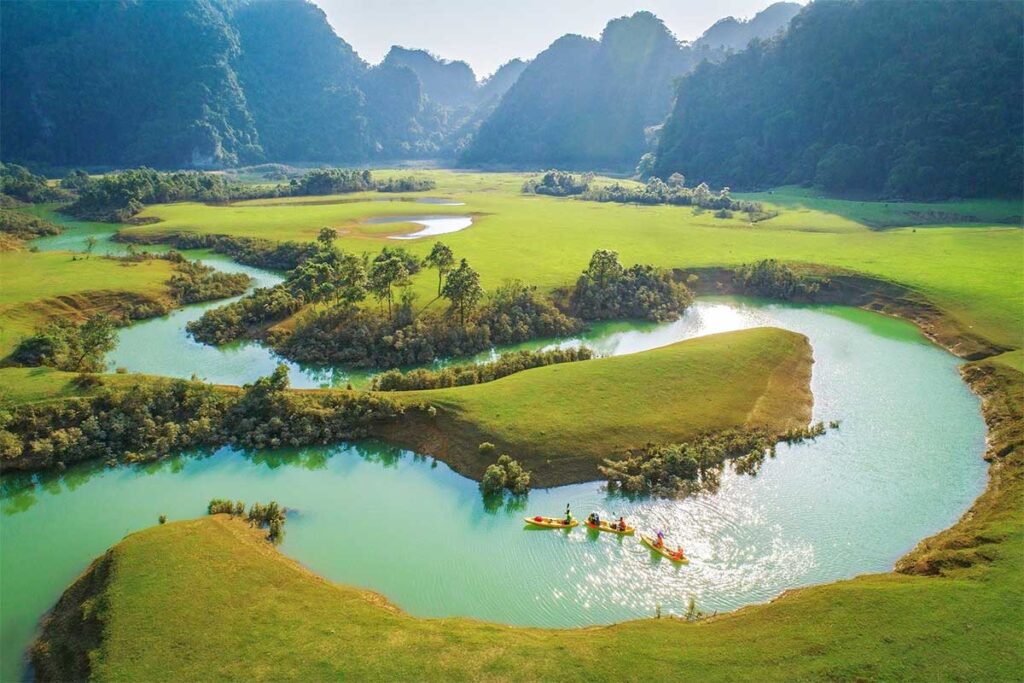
488,33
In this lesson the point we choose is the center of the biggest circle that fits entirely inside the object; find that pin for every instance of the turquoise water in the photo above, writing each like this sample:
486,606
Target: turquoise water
905,463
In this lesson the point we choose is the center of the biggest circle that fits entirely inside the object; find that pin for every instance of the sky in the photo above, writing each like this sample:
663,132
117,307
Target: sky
488,33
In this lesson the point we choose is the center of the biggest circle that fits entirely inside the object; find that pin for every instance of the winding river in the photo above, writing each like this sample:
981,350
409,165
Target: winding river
905,463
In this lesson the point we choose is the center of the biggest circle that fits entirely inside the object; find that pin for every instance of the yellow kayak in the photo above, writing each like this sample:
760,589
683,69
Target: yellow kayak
611,529
550,522
652,544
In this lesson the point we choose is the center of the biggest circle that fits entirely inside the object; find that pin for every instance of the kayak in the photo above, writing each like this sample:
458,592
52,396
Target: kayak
605,526
651,543
550,522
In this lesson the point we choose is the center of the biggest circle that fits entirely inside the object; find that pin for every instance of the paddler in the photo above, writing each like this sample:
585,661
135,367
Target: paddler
660,543
568,516
622,523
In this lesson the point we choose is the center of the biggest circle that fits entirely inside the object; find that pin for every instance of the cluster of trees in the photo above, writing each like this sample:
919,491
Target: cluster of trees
513,313
193,282
504,474
607,290
559,184
270,515
679,470
240,318
475,373
251,251
23,226
673,191
151,419
775,280
67,345
116,197
23,185
840,101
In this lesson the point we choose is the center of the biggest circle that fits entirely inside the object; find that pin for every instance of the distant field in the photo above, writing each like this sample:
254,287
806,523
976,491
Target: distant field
561,420
37,286
971,271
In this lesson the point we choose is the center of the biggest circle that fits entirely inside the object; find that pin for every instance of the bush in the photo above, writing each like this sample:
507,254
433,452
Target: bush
504,474
656,191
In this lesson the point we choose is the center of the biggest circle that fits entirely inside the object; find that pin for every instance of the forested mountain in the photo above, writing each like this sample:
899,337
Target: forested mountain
919,100
128,83
211,82
731,33
447,83
589,104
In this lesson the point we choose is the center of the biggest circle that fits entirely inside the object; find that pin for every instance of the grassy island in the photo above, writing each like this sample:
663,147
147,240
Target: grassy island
560,421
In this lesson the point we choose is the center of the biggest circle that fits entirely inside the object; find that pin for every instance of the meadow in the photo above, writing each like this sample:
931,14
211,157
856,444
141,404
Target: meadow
966,269
39,286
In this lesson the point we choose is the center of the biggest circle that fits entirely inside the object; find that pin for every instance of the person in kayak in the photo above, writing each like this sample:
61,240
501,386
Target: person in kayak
568,516
660,543
622,523
594,519
678,554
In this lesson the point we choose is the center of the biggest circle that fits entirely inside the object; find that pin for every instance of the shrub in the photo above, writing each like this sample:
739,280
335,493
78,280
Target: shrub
607,290
504,474
559,184
461,375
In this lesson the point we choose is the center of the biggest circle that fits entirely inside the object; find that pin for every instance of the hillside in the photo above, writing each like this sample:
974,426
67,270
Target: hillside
905,100
731,33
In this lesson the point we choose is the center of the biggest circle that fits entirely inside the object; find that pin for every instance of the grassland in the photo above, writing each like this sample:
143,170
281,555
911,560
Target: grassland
560,421
264,617
969,270
37,286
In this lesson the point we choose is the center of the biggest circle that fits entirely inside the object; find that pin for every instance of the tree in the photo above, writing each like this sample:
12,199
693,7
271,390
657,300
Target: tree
384,275
440,257
326,237
66,346
90,244
463,289
604,266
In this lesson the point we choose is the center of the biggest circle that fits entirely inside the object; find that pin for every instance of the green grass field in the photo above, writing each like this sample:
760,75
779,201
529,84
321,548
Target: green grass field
265,617
561,420
971,271
37,286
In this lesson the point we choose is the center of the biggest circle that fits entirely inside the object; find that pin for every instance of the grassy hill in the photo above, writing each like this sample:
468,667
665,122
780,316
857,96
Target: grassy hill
560,421
265,617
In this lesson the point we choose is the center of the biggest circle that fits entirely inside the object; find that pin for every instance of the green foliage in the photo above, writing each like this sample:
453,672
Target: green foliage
332,181
559,184
657,191
363,337
475,373
606,290
25,226
66,345
441,258
405,184
20,183
776,280
851,108
231,322
193,282
462,289
262,253
149,420
506,473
